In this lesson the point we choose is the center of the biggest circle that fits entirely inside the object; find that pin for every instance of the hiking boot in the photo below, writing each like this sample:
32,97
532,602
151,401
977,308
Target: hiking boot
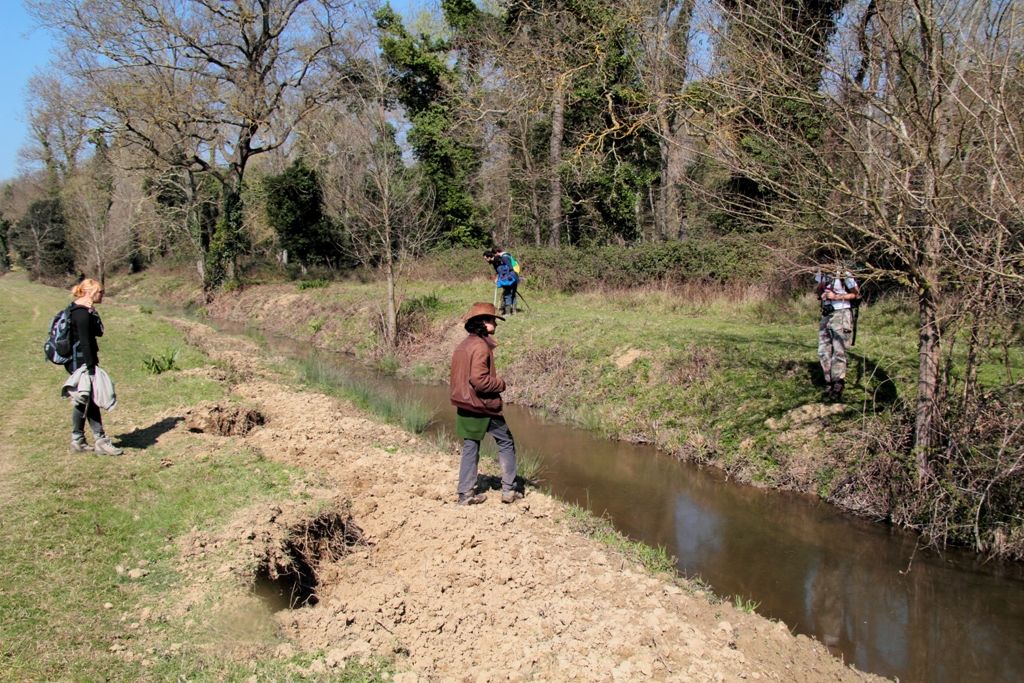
79,446
510,496
837,390
105,446
471,498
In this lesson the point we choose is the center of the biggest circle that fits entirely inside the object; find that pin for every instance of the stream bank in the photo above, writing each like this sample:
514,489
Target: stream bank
485,593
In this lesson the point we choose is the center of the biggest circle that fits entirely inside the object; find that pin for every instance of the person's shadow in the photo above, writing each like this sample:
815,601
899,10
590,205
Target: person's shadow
148,436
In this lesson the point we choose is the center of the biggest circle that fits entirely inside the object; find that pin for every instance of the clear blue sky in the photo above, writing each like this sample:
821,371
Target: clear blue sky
23,52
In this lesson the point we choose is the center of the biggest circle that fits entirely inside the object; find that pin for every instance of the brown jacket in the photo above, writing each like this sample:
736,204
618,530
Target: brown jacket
474,384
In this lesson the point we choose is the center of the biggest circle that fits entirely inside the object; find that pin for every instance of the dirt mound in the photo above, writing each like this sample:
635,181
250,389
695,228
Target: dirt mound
228,419
485,593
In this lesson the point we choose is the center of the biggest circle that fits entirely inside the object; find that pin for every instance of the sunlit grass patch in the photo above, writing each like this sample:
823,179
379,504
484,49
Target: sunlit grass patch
656,560
409,414
748,605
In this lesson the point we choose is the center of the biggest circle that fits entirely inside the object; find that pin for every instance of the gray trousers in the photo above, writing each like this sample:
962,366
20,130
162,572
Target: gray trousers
470,466
82,411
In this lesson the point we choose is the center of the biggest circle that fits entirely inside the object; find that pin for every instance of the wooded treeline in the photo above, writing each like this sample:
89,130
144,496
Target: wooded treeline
885,135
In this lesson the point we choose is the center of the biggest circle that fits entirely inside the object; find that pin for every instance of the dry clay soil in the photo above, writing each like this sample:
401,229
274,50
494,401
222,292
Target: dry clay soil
490,592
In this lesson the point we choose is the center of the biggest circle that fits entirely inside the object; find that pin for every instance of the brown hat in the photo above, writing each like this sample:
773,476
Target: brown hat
481,308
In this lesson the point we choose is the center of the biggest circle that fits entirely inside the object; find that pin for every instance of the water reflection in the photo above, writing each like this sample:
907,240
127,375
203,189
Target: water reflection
858,587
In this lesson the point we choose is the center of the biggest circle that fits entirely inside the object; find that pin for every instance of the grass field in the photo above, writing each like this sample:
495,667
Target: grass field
74,526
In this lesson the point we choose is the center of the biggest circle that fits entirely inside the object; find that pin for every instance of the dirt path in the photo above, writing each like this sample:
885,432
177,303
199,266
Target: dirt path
491,592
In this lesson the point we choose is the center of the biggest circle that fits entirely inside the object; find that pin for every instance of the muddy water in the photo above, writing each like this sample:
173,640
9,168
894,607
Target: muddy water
861,588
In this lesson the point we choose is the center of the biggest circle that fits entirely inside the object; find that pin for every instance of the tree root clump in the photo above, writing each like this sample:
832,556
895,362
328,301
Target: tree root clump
223,419
294,560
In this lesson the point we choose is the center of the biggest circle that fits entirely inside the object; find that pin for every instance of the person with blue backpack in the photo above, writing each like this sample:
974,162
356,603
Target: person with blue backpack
85,327
506,276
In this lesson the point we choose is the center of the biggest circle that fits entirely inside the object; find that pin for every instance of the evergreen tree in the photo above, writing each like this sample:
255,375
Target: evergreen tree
5,259
294,206
425,84
40,239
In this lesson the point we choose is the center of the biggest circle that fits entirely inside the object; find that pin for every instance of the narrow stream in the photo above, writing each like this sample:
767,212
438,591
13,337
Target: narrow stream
859,587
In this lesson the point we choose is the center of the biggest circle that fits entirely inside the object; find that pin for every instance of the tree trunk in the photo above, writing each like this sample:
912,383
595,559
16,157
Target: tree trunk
926,410
554,163
391,315
668,216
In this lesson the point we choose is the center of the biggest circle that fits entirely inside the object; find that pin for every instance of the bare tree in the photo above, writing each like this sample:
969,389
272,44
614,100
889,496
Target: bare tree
384,204
58,128
666,56
904,155
101,209
203,86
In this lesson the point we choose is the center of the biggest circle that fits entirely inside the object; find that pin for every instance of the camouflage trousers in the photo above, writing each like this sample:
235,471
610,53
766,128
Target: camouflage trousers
834,333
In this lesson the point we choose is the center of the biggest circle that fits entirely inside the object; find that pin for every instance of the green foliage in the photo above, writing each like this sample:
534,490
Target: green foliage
40,239
387,365
317,283
294,208
5,262
227,242
748,605
424,82
161,362
721,261
427,303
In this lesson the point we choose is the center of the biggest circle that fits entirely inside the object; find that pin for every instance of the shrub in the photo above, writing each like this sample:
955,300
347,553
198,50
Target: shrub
161,363
311,284
294,208
722,261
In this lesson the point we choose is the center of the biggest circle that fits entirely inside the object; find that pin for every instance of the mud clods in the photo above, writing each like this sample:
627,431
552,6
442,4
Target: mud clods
290,573
223,419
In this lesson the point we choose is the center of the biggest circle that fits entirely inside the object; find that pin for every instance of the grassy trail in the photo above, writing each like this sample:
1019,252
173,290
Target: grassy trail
74,526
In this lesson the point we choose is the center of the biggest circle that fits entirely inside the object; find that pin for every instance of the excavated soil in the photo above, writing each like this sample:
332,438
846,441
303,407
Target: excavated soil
490,592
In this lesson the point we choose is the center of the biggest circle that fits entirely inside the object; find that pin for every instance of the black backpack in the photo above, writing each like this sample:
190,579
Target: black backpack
57,347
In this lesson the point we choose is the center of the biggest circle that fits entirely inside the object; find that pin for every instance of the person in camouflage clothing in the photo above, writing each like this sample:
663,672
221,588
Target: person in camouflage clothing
837,294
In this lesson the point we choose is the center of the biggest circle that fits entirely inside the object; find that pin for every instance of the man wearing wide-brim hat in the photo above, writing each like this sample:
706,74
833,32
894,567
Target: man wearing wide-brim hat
476,394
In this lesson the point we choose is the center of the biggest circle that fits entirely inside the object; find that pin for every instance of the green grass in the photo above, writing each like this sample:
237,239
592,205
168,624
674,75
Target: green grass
162,362
747,605
318,283
70,520
408,414
656,560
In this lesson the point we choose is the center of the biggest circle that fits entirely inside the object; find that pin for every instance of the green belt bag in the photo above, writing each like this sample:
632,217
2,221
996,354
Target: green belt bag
470,425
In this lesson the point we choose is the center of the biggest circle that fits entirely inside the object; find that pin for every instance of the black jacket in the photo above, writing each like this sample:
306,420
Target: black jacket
86,326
